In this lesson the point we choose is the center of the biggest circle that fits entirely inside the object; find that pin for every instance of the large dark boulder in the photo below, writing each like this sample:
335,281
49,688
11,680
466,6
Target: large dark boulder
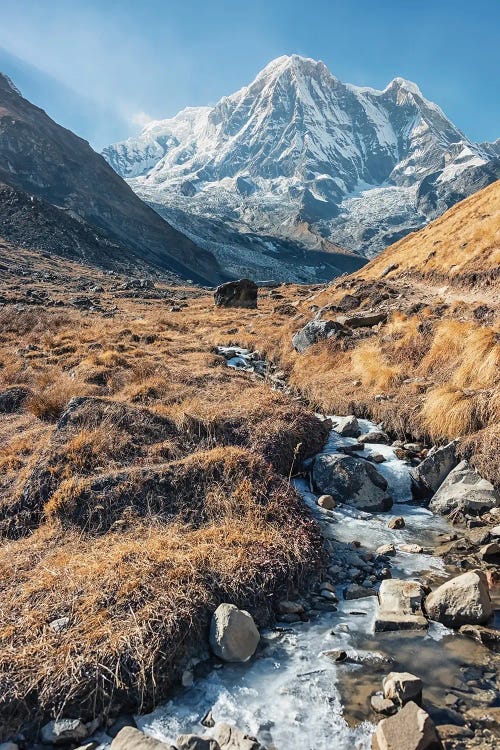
351,480
242,293
429,475
317,330
464,491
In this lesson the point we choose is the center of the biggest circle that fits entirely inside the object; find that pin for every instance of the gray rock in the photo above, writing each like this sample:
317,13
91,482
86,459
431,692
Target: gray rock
352,480
242,293
336,655
386,549
464,490
233,634
290,608
9,746
364,321
231,738
195,742
347,426
401,687
464,600
375,437
488,636
59,625
63,731
400,606
401,596
382,705
413,549
398,522
433,470
13,399
410,729
317,330
353,591
125,720
388,621
327,502
208,720
489,551
130,738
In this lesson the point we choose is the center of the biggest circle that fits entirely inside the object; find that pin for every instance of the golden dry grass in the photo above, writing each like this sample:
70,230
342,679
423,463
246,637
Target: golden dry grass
462,243
138,572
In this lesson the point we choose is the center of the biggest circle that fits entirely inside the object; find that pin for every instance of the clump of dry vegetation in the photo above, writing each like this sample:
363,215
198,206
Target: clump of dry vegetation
143,482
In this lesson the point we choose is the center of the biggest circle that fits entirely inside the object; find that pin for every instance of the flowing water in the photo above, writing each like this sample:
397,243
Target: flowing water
291,695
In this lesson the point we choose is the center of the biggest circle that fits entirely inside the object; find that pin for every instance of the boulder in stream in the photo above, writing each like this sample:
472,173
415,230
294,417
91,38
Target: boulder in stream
464,600
400,606
464,491
347,426
195,742
402,687
232,738
233,633
351,480
410,729
433,470
130,738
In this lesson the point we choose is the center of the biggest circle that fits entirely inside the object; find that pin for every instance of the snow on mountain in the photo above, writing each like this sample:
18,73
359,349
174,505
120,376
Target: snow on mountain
300,156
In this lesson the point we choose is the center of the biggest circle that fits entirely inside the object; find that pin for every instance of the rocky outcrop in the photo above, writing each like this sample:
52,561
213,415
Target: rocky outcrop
233,634
433,470
317,330
351,480
41,158
242,293
410,729
464,600
13,399
464,491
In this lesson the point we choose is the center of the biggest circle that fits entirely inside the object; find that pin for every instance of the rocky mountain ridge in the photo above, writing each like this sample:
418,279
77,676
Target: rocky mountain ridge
44,160
300,156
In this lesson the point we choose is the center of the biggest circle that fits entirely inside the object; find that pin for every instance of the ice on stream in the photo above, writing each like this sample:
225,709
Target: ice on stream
288,694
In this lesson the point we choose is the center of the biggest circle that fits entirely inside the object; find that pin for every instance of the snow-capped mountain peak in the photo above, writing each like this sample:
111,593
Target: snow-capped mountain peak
294,149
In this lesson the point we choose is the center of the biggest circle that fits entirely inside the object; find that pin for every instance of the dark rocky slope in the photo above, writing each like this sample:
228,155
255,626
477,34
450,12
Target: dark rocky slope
40,157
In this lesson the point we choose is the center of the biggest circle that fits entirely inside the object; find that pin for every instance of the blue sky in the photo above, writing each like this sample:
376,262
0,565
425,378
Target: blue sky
103,67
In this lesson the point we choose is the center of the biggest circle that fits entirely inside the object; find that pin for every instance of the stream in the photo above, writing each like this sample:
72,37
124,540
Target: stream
291,695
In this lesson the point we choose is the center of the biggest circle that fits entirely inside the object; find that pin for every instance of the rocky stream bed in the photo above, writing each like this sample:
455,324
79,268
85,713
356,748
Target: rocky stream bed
342,653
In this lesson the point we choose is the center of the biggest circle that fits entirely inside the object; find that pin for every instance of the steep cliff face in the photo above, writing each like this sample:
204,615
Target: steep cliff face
298,148
42,158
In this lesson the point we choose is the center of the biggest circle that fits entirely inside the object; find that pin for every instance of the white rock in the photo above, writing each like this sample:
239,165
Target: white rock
63,731
233,633
464,600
